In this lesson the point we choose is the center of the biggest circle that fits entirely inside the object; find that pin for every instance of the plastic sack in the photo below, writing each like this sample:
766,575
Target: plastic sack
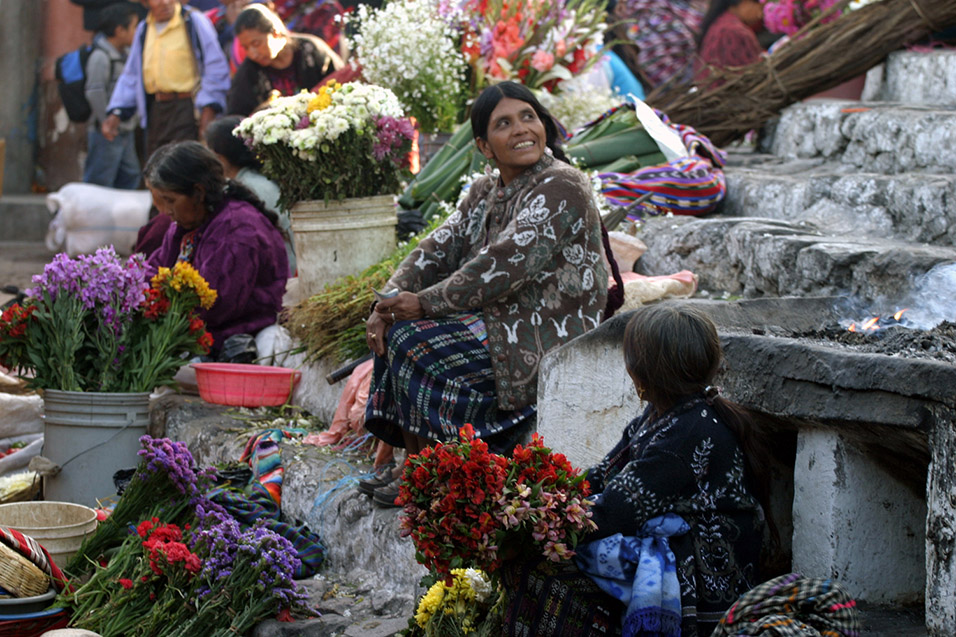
238,348
87,217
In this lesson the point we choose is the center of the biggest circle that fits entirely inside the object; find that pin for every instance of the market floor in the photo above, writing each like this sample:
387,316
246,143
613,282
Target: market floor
19,261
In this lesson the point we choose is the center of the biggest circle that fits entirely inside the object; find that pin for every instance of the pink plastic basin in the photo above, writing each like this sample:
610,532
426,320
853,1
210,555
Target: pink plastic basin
245,385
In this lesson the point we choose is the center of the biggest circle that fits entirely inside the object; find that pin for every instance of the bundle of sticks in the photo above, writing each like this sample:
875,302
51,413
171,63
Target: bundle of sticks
818,57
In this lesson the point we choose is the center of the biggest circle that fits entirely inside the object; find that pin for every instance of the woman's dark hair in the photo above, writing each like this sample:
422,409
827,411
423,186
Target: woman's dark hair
260,18
220,140
715,9
487,101
672,352
181,166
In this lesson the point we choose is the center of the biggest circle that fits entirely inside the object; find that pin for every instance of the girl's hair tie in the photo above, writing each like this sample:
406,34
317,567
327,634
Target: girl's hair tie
711,392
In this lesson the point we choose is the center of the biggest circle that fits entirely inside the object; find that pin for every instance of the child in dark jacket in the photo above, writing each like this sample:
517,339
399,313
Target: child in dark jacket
112,163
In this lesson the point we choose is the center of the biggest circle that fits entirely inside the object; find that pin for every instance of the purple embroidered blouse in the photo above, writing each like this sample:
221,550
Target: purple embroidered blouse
242,256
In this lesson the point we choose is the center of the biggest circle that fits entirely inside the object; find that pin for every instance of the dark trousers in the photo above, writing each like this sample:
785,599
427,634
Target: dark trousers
169,121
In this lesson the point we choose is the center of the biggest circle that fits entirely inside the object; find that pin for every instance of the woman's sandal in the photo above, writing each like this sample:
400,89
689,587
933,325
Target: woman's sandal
382,477
385,496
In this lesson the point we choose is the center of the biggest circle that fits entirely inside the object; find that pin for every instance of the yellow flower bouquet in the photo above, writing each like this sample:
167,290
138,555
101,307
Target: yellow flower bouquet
97,324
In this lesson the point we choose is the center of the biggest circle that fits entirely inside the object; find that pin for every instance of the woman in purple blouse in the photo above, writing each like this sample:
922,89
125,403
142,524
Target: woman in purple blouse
225,232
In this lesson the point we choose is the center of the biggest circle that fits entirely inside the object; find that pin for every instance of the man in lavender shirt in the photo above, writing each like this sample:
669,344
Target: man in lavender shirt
175,67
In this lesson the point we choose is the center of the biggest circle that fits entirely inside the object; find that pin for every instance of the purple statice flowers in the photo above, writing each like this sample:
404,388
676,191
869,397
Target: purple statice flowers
241,562
208,512
391,134
162,456
216,546
276,562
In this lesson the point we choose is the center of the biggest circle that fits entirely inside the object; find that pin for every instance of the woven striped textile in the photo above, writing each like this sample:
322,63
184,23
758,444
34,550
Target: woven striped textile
262,454
792,606
436,377
692,185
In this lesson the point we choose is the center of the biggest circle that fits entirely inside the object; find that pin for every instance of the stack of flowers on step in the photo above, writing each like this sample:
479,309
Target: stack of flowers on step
467,508
789,16
537,43
170,562
437,55
97,323
346,140
166,484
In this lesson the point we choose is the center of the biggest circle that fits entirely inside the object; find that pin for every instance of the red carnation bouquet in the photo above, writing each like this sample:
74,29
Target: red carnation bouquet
463,503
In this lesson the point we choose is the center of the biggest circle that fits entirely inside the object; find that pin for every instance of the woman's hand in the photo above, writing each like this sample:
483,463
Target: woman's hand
375,328
405,306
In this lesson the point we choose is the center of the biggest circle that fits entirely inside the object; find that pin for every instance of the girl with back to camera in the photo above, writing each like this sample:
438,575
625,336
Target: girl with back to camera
241,164
685,486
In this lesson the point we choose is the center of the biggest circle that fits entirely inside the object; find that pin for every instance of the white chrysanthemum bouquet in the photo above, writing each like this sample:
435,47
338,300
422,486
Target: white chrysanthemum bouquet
409,47
346,140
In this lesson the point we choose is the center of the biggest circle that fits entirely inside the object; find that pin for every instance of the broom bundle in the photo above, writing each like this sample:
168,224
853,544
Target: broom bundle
818,57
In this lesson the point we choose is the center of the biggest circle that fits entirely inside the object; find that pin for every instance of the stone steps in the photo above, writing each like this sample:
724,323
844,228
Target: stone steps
23,218
844,202
881,137
853,198
915,78
752,257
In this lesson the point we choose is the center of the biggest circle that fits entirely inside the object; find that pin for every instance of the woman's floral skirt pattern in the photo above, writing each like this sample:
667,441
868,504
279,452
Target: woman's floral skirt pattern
555,599
436,377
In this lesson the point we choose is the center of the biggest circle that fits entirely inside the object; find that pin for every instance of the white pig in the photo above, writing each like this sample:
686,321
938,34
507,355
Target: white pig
87,217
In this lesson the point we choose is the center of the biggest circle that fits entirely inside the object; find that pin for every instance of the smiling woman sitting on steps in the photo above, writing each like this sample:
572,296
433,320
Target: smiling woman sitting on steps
518,270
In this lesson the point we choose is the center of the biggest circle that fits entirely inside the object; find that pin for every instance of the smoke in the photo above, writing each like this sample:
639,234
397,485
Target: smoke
933,299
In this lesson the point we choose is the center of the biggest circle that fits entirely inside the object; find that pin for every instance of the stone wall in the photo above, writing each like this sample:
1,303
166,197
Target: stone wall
19,51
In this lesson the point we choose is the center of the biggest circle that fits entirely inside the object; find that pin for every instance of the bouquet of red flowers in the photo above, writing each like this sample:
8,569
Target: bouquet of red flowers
462,503
450,493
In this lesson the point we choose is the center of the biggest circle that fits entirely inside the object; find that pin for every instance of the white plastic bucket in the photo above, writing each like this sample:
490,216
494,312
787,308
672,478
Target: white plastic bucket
341,238
90,436
60,527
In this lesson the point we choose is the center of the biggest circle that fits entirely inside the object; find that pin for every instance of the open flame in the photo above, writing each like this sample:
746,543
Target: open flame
875,322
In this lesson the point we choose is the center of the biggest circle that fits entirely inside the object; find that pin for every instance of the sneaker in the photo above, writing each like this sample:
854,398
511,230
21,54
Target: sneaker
385,496
382,476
